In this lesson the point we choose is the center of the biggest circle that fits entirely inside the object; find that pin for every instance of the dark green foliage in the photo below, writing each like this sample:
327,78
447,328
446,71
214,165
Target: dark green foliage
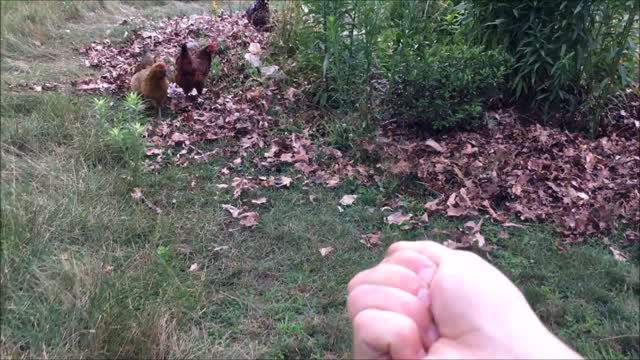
376,57
565,52
447,87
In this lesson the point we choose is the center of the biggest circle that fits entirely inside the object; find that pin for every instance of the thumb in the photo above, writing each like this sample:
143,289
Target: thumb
379,334
430,249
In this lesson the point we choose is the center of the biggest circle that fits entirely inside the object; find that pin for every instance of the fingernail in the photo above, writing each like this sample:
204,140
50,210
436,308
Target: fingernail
424,297
432,335
426,275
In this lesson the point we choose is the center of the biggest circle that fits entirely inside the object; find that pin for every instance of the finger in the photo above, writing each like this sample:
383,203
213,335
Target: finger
379,334
432,250
446,349
415,262
390,275
391,299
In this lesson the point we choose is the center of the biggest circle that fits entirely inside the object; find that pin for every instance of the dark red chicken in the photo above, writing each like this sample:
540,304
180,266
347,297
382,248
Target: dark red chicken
192,70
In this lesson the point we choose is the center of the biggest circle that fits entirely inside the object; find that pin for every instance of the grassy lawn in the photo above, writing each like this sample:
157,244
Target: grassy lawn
89,272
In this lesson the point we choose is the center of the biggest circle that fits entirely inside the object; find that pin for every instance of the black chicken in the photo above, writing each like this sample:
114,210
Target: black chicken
258,14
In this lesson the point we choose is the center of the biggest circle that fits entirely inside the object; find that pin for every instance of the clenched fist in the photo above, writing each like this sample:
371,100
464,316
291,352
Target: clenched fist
425,301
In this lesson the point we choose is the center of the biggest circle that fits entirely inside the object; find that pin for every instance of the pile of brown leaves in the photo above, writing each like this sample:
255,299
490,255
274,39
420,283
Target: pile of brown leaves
117,63
228,110
582,186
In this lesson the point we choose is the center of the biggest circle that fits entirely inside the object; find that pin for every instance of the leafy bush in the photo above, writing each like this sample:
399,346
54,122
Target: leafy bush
447,86
564,51
354,55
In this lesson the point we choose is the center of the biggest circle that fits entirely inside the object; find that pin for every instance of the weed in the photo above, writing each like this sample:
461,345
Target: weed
124,130
214,73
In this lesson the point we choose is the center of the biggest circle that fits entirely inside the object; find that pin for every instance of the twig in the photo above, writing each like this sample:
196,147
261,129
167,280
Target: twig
150,205
620,337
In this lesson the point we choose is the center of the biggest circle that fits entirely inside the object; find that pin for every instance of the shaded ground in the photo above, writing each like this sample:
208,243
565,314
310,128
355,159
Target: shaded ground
90,272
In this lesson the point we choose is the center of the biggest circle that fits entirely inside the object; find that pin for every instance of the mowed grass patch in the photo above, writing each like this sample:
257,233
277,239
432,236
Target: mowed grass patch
585,296
89,272
40,39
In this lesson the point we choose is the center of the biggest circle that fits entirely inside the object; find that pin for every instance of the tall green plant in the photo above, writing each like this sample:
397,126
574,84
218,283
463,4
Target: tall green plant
447,87
565,51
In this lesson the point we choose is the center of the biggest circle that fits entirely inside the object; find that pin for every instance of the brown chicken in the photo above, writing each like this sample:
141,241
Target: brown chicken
147,59
152,83
192,71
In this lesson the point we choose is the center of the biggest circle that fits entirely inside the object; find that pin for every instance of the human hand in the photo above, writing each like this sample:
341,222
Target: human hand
472,309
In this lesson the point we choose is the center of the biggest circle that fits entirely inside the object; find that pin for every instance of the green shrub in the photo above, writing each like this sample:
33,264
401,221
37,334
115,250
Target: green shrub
565,51
447,86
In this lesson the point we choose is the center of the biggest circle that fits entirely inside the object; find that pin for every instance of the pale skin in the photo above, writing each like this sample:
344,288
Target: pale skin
425,301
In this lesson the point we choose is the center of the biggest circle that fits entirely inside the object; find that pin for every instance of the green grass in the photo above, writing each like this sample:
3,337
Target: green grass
89,272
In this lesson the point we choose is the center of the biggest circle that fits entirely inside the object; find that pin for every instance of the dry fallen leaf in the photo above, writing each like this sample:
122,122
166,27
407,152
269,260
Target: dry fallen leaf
370,240
153,151
253,59
254,48
193,267
473,227
479,239
259,201
456,211
290,94
468,149
631,236
234,211
312,199
618,255
397,218
137,193
434,145
325,251
401,167
220,248
282,181
249,219
348,200
333,182
432,205
424,218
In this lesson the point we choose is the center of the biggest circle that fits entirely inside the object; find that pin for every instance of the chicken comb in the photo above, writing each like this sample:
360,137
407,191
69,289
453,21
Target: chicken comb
212,46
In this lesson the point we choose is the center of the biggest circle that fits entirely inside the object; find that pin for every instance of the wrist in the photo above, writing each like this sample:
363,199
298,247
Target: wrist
545,345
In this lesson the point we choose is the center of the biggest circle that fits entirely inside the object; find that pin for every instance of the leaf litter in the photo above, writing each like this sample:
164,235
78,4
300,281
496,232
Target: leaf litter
371,240
581,186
